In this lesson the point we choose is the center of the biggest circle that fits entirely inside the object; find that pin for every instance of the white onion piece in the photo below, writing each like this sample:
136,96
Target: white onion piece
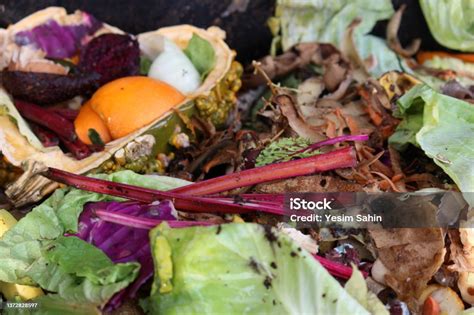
174,67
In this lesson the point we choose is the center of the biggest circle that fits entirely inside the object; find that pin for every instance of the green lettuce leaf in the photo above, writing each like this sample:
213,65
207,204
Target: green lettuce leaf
74,256
446,132
78,272
202,54
53,304
240,269
299,21
386,59
410,109
451,22
469,311
357,288
23,255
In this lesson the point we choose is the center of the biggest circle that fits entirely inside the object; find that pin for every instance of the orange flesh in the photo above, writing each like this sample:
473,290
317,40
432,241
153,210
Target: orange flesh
127,104
88,119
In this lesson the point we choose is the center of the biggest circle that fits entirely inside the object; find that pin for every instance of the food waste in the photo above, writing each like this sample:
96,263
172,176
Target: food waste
203,227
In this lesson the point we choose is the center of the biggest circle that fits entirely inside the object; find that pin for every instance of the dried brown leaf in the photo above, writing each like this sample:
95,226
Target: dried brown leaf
412,256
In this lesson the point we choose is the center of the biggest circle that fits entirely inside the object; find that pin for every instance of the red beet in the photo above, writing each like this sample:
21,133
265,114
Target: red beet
47,137
112,56
69,114
48,88
48,119
79,149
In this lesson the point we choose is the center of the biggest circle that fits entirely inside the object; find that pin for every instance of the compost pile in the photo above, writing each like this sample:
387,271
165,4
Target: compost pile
209,231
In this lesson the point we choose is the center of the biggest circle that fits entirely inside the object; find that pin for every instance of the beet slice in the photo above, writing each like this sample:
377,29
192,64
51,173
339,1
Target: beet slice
48,88
112,56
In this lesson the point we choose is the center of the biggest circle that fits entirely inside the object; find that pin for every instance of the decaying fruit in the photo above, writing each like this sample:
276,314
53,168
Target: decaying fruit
88,119
147,98
212,100
396,83
444,300
466,286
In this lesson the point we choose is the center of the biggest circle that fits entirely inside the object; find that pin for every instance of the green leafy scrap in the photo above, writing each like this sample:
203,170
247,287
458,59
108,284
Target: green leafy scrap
34,251
202,54
283,150
443,127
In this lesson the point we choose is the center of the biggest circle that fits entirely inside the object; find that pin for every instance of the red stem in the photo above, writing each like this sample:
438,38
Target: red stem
334,268
54,122
341,158
181,201
69,114
144,223
337,269
47,138
78,148
265,197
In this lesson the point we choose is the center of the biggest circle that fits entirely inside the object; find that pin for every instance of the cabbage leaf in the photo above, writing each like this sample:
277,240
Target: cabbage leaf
443,127
299,21
240,268
451,22
34,251
357,288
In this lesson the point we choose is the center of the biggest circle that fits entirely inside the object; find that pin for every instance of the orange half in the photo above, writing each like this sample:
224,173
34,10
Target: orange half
129,103
88,119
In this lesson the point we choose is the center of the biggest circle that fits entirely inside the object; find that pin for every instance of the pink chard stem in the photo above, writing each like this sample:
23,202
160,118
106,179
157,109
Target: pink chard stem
342,158
181,201
336,269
